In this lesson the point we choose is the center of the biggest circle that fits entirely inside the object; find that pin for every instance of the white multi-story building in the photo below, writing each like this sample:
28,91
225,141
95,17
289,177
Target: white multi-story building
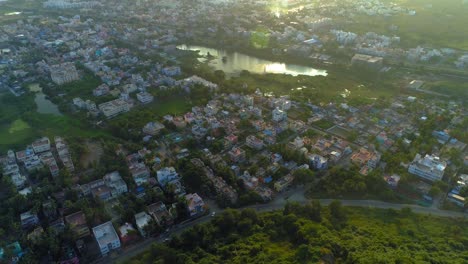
41,145
64,154
430,167
115,182
166,175
63,73
279,115
113,108
142,220
145,97
106,237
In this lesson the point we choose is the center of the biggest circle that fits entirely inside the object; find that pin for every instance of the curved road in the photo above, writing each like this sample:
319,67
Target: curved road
296,195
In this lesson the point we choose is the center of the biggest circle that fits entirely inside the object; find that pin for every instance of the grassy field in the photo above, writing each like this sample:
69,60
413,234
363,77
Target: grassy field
436,23
140,116
15,134
451,88
20,133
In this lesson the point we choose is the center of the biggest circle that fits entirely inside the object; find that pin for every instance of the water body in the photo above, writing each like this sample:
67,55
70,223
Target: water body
235,62
44,105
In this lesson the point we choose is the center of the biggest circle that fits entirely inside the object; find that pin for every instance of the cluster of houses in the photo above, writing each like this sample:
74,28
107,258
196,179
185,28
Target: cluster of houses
41,153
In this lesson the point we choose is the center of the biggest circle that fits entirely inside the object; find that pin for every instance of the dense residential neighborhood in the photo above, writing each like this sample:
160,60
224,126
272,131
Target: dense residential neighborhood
140,135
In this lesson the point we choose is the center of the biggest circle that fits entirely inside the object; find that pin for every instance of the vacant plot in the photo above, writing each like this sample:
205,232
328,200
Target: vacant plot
339,131
92,155
324,124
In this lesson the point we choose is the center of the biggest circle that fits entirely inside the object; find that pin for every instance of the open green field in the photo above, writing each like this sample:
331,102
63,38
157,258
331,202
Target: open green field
452,88
140,116
20,133
15,133
438,23
174,106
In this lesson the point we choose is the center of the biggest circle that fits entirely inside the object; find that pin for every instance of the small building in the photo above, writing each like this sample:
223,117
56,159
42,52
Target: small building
195,205
254,142
364,157
106,237
237,155
160,214
102,193
116,184
166,175
78,225
279,115
145,97
153,128
284,183
140,173
142,220
456,199
318,162
415,84
28,220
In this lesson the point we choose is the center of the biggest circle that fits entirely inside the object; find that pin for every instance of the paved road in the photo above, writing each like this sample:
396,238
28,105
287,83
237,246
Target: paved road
296,195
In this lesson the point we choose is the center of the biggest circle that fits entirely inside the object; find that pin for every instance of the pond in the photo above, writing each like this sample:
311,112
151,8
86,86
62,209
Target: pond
44,105
232,63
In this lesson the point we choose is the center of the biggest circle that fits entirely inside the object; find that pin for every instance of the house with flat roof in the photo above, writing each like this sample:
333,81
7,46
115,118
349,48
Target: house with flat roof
102,193
167,175
145,97
142,220
367,61
41,145
429,167
160,214
254,142
116,184
28,220
284,183
140,173
106,237
113,108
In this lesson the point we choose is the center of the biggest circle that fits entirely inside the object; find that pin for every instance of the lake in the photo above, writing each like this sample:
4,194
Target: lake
235,62
44,105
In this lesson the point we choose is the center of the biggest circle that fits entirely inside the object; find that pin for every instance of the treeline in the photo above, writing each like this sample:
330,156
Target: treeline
314,234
